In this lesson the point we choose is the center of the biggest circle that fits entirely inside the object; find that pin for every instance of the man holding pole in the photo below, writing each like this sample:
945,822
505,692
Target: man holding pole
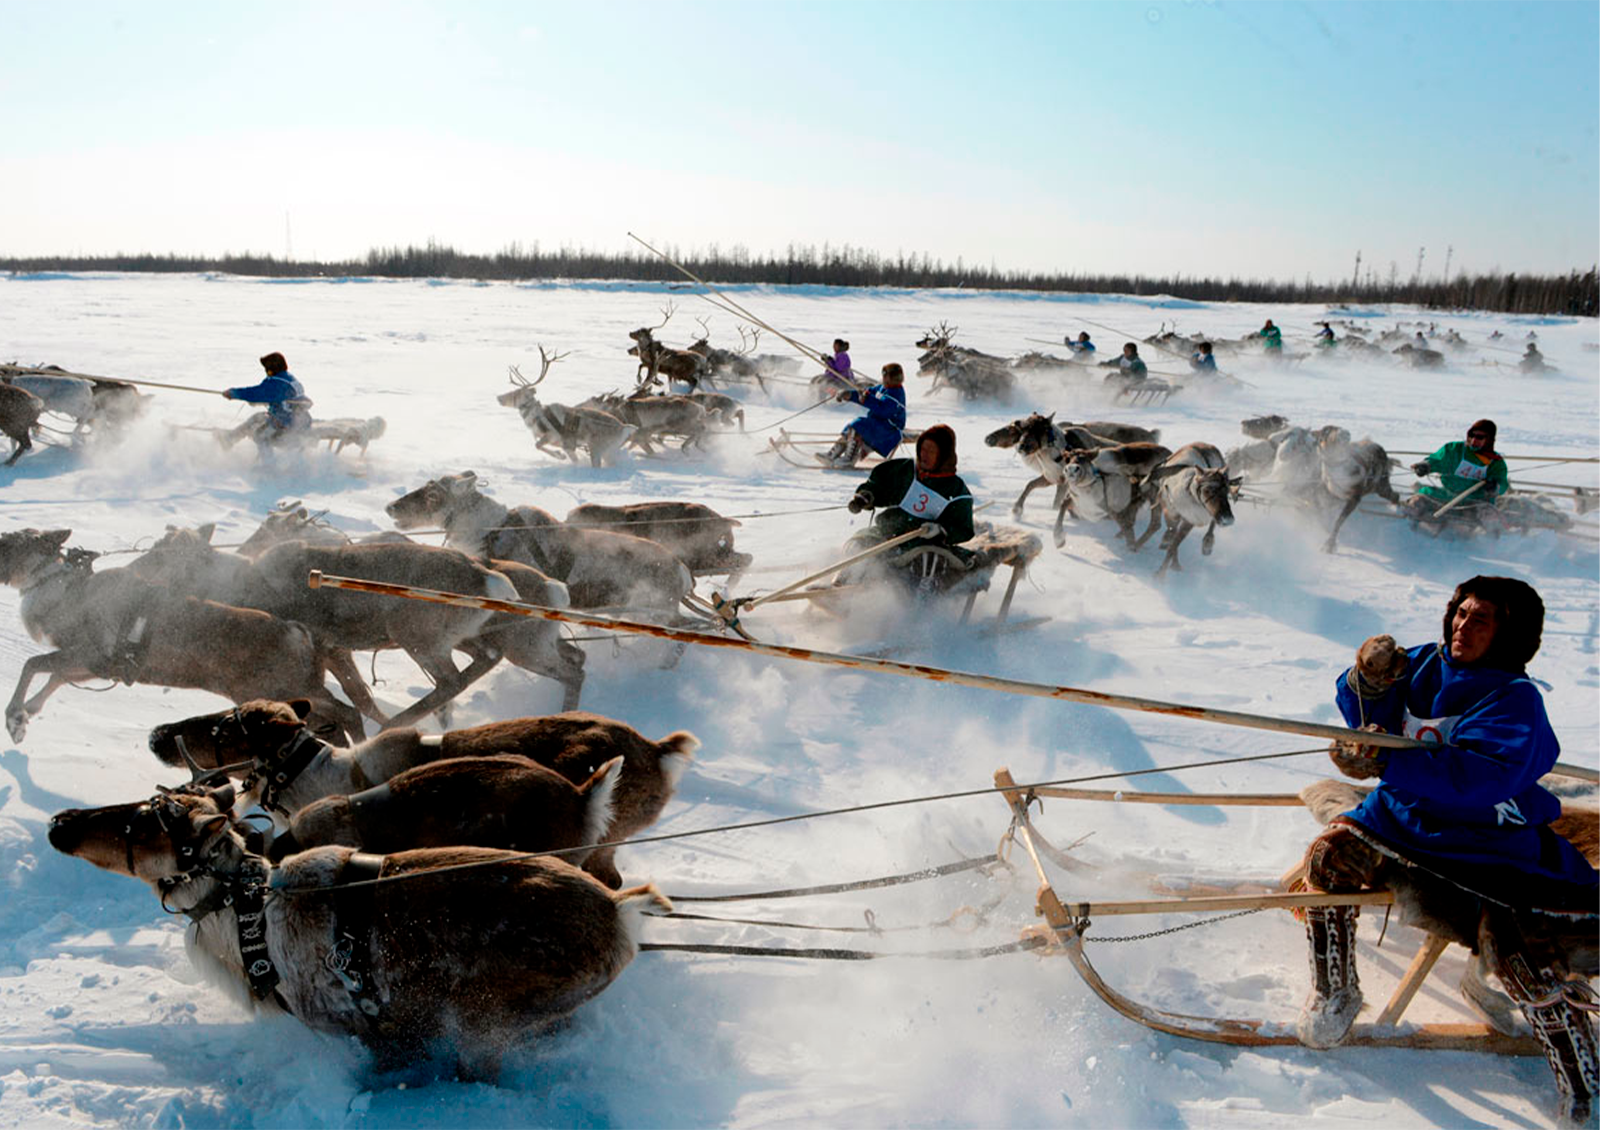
288,409
1470,472
880,429
1461,829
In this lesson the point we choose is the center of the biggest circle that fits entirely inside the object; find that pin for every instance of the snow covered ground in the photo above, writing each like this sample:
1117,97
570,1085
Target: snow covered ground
104,1022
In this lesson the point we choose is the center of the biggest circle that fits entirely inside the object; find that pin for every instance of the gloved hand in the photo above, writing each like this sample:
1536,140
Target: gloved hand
857,504
1359,761
1380,662
1420,469
227,394
842,397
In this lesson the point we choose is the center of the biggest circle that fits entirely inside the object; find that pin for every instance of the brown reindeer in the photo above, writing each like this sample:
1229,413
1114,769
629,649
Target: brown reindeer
499,802
697,535
601,569
494,949
655,417
685,366
288,767
342,621
116,625
1042,443
19,414
560,429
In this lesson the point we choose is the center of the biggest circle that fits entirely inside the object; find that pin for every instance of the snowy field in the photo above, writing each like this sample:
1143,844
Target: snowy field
103,1021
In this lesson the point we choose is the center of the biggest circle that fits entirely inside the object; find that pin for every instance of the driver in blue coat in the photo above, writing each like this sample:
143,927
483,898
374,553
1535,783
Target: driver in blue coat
288,409
880,429
1468,815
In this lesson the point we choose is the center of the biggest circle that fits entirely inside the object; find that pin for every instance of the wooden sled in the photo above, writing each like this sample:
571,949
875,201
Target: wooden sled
788,447
1146,393
1065,925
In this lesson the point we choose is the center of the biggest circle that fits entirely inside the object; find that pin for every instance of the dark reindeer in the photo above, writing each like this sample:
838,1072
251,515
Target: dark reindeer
600,568
464,964
116,625
287,766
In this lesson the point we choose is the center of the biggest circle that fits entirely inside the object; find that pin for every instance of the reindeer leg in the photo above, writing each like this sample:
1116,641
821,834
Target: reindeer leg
58,665
1209,540
1058,533
342,666
1333,538
1016,507
1175,536
1155,520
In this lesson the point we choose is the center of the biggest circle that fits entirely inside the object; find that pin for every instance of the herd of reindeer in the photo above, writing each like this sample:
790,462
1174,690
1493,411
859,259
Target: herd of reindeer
397,898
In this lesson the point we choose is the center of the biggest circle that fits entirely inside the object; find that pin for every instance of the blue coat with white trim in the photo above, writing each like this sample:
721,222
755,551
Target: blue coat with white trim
881,428
1474,797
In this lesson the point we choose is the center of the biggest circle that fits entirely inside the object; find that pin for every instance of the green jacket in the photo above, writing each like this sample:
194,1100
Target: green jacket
1274,338
890,485
1459,467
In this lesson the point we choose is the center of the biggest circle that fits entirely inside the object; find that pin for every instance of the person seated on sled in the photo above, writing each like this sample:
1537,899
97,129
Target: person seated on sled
1324,336
1464,823
1201,360
1130,366
836,366
1461,467
1082,349
1532,361
1271,339
910,492
879,430
1496,336
288,409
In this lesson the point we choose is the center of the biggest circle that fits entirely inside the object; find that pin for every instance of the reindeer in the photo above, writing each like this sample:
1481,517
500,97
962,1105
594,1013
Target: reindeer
347,431
697,535
288,767
342,621
685,366
1108,482
1419,358
654,417
568,428
115,625
720,407
1192,487
497,802
600,568
19,415
973,374
1351,471
1042,444
737,364
498,947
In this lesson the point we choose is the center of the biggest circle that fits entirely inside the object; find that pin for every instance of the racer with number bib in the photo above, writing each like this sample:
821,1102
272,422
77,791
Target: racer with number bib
1461,467
908,493
1465,825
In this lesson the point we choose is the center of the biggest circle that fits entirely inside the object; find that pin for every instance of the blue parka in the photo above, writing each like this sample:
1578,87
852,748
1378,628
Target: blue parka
881,427
276,392
1475,797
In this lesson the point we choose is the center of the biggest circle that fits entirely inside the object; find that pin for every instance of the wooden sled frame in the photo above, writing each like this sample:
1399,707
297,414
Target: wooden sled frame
1066,923
1147,393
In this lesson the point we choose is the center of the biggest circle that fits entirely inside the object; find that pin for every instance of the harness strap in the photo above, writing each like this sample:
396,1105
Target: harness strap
247,891
285,765
350,959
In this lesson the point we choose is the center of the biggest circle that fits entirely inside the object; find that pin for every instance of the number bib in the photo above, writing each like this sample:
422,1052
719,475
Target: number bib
1429,731
1470,470
921,501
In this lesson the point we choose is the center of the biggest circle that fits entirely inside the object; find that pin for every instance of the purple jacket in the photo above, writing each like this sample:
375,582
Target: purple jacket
838,365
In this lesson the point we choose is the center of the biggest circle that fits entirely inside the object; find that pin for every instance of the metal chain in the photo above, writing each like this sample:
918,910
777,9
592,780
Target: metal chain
1175,929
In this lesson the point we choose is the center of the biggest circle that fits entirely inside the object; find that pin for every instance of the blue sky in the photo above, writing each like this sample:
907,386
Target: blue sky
1249,139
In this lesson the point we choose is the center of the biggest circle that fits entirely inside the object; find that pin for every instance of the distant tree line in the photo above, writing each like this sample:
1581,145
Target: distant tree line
1575,293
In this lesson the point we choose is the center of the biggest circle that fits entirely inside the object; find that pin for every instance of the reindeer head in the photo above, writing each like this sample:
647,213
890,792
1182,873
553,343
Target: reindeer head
291,522
161,840
433,500
22,552
522,390
1036,433
937,338
1212,489
252,732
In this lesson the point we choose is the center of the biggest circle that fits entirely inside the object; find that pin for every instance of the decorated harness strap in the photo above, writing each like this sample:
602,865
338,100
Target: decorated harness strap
285,766
248,894
350,958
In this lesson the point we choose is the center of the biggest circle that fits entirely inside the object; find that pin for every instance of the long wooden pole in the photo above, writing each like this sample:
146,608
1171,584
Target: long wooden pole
318,579
1168,352
810,353
926,530
21,370
1552,459
1460,498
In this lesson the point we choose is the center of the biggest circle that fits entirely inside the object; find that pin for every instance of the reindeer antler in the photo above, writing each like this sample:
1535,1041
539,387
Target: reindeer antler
516,376
666,314
545,361
748,340
705,330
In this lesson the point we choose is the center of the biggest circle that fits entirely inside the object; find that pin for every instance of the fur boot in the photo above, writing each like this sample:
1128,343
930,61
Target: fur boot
1335,996
1558,1012
845,452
